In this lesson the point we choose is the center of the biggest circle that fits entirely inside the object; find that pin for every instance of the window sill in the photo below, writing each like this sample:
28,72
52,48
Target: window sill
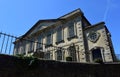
48,45
62,41
70,38
30,51
38,49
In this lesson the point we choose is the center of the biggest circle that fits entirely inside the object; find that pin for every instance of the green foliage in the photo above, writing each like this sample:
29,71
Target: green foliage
22,56
68,58
19,55
98,60
27,61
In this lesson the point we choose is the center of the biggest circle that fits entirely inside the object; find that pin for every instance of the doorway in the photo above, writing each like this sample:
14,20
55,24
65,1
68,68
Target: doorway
96,54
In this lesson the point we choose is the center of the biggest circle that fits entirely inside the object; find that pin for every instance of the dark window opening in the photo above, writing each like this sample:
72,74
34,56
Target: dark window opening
49,40
59,38
59,54
71,31
39,43
47,55
72,52
96,54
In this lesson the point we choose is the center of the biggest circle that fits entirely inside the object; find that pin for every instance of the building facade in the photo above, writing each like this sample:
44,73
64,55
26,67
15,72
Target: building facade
70,35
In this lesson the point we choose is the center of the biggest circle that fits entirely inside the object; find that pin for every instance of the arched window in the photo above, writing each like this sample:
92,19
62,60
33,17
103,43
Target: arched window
72,52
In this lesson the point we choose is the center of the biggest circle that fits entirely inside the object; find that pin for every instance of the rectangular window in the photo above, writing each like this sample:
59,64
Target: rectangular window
59,37
47,55
49,39
39,42
24,47
31,45
59,55
71,30
17,45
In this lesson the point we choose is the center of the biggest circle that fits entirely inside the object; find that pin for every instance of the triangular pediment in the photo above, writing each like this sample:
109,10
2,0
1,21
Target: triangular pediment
41,26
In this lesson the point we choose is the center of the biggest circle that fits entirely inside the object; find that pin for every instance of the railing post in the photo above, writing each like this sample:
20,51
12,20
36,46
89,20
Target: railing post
11,45
2,43
6,44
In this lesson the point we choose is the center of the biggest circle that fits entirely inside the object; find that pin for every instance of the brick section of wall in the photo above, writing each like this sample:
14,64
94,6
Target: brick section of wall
14,67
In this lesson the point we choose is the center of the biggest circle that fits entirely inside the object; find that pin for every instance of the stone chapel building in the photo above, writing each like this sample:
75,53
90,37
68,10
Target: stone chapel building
70,35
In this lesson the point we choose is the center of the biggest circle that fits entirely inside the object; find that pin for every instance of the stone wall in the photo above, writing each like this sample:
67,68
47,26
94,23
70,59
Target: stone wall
15,67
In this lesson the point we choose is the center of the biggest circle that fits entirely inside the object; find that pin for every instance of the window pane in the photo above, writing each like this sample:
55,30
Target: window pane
39,45
96,54
31,44
71,31
47,55
72,52
49,39
59,55
24,46
59,35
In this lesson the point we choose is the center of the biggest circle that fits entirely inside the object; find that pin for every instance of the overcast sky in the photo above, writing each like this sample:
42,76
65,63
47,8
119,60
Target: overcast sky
18,16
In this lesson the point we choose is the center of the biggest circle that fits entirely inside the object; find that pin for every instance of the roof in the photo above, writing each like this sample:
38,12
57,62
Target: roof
40,21
100,23
55,20
94,25
71,13
74,12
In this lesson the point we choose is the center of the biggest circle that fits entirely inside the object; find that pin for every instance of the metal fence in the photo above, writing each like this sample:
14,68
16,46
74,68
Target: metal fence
7,46
6,43
30,47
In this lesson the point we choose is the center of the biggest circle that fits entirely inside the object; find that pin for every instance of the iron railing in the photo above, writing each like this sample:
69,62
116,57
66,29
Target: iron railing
6,43
7,46
13,45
